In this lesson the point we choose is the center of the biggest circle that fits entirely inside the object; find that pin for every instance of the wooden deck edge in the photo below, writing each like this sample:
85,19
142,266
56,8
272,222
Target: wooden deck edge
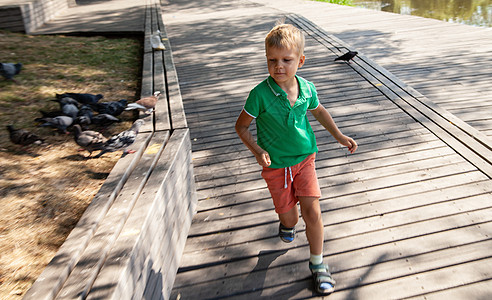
11,18
159,74
176,107
32,14
152,240
84,259
51,280
94,255
471,144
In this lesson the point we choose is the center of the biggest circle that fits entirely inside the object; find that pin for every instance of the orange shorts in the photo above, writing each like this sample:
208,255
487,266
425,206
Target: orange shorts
287,184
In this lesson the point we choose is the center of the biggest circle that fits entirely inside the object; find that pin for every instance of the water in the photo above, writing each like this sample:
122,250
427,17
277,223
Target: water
470,12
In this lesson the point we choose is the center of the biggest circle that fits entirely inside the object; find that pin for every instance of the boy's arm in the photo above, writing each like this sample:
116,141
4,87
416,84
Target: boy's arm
242,129
324,117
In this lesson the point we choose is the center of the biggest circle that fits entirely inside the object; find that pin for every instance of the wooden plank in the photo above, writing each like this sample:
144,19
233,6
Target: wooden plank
419,283
132,227
178,118
436,112
375,216
392,163
92,259
161,117
372,214
388,151
339,246
475,290
427,157
58,270
150,228
218,138
457,51
244,214
347,261
394,193
147,28
147,81
147,88
177,197
384,263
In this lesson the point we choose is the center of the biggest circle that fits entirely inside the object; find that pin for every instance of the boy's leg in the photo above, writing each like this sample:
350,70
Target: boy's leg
288,221
290,218
311,214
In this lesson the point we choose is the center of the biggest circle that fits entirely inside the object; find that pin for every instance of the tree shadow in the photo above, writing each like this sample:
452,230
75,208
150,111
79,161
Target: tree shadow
90,2
76,157
97,175
256,278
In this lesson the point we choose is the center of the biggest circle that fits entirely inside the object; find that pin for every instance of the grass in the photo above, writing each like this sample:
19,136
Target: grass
45,189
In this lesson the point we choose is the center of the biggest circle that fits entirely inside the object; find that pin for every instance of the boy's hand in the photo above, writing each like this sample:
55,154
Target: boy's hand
263,159
349,143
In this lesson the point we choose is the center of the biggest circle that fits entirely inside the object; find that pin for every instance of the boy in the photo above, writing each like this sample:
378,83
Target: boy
286,145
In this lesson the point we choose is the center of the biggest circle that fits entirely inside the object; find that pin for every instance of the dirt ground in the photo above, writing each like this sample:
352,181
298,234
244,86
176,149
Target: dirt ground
44,189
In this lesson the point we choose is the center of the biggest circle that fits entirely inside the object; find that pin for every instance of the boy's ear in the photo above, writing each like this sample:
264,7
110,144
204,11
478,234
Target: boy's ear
302,59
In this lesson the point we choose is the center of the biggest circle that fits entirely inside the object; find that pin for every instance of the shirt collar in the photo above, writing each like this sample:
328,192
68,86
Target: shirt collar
304,90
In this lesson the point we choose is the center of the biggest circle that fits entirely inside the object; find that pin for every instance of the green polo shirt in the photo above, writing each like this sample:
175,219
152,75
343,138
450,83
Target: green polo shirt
283,131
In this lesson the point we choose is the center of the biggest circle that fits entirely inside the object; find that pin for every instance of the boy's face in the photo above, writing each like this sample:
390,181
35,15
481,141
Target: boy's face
283,63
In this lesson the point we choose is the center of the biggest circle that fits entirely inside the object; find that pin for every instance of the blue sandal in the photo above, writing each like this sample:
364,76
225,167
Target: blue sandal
323,282
286,234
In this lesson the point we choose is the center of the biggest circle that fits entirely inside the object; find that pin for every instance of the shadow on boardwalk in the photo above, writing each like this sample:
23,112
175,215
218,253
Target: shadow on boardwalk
406,216
448,63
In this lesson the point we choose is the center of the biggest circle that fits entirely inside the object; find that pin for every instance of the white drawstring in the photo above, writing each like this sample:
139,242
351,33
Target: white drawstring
285,177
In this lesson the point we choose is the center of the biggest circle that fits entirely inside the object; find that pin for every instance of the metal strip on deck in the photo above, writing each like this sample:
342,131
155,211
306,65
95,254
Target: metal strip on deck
402,216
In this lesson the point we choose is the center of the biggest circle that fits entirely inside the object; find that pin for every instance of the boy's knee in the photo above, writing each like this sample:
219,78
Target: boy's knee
311,216
290,218
289,221
311,212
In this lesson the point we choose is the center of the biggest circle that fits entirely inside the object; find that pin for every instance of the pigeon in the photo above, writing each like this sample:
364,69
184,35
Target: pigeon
347,56
104,119
82,98
60,122
146,104
66,100
122,140
70,110
23,137
84,116
68,106
51,114
83,121
114,108
86,110
9,70
89,140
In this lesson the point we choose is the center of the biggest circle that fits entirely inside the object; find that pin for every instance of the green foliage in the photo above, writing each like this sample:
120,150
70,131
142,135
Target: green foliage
472,12
340,2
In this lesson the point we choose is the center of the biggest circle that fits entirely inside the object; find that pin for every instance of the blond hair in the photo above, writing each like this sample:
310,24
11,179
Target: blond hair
285,36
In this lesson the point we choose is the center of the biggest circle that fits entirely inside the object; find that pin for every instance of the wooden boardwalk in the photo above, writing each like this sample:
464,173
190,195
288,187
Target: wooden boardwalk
407,216
448,63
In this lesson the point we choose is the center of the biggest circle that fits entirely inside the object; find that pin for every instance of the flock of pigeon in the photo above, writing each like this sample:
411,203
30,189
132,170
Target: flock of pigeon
78,111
